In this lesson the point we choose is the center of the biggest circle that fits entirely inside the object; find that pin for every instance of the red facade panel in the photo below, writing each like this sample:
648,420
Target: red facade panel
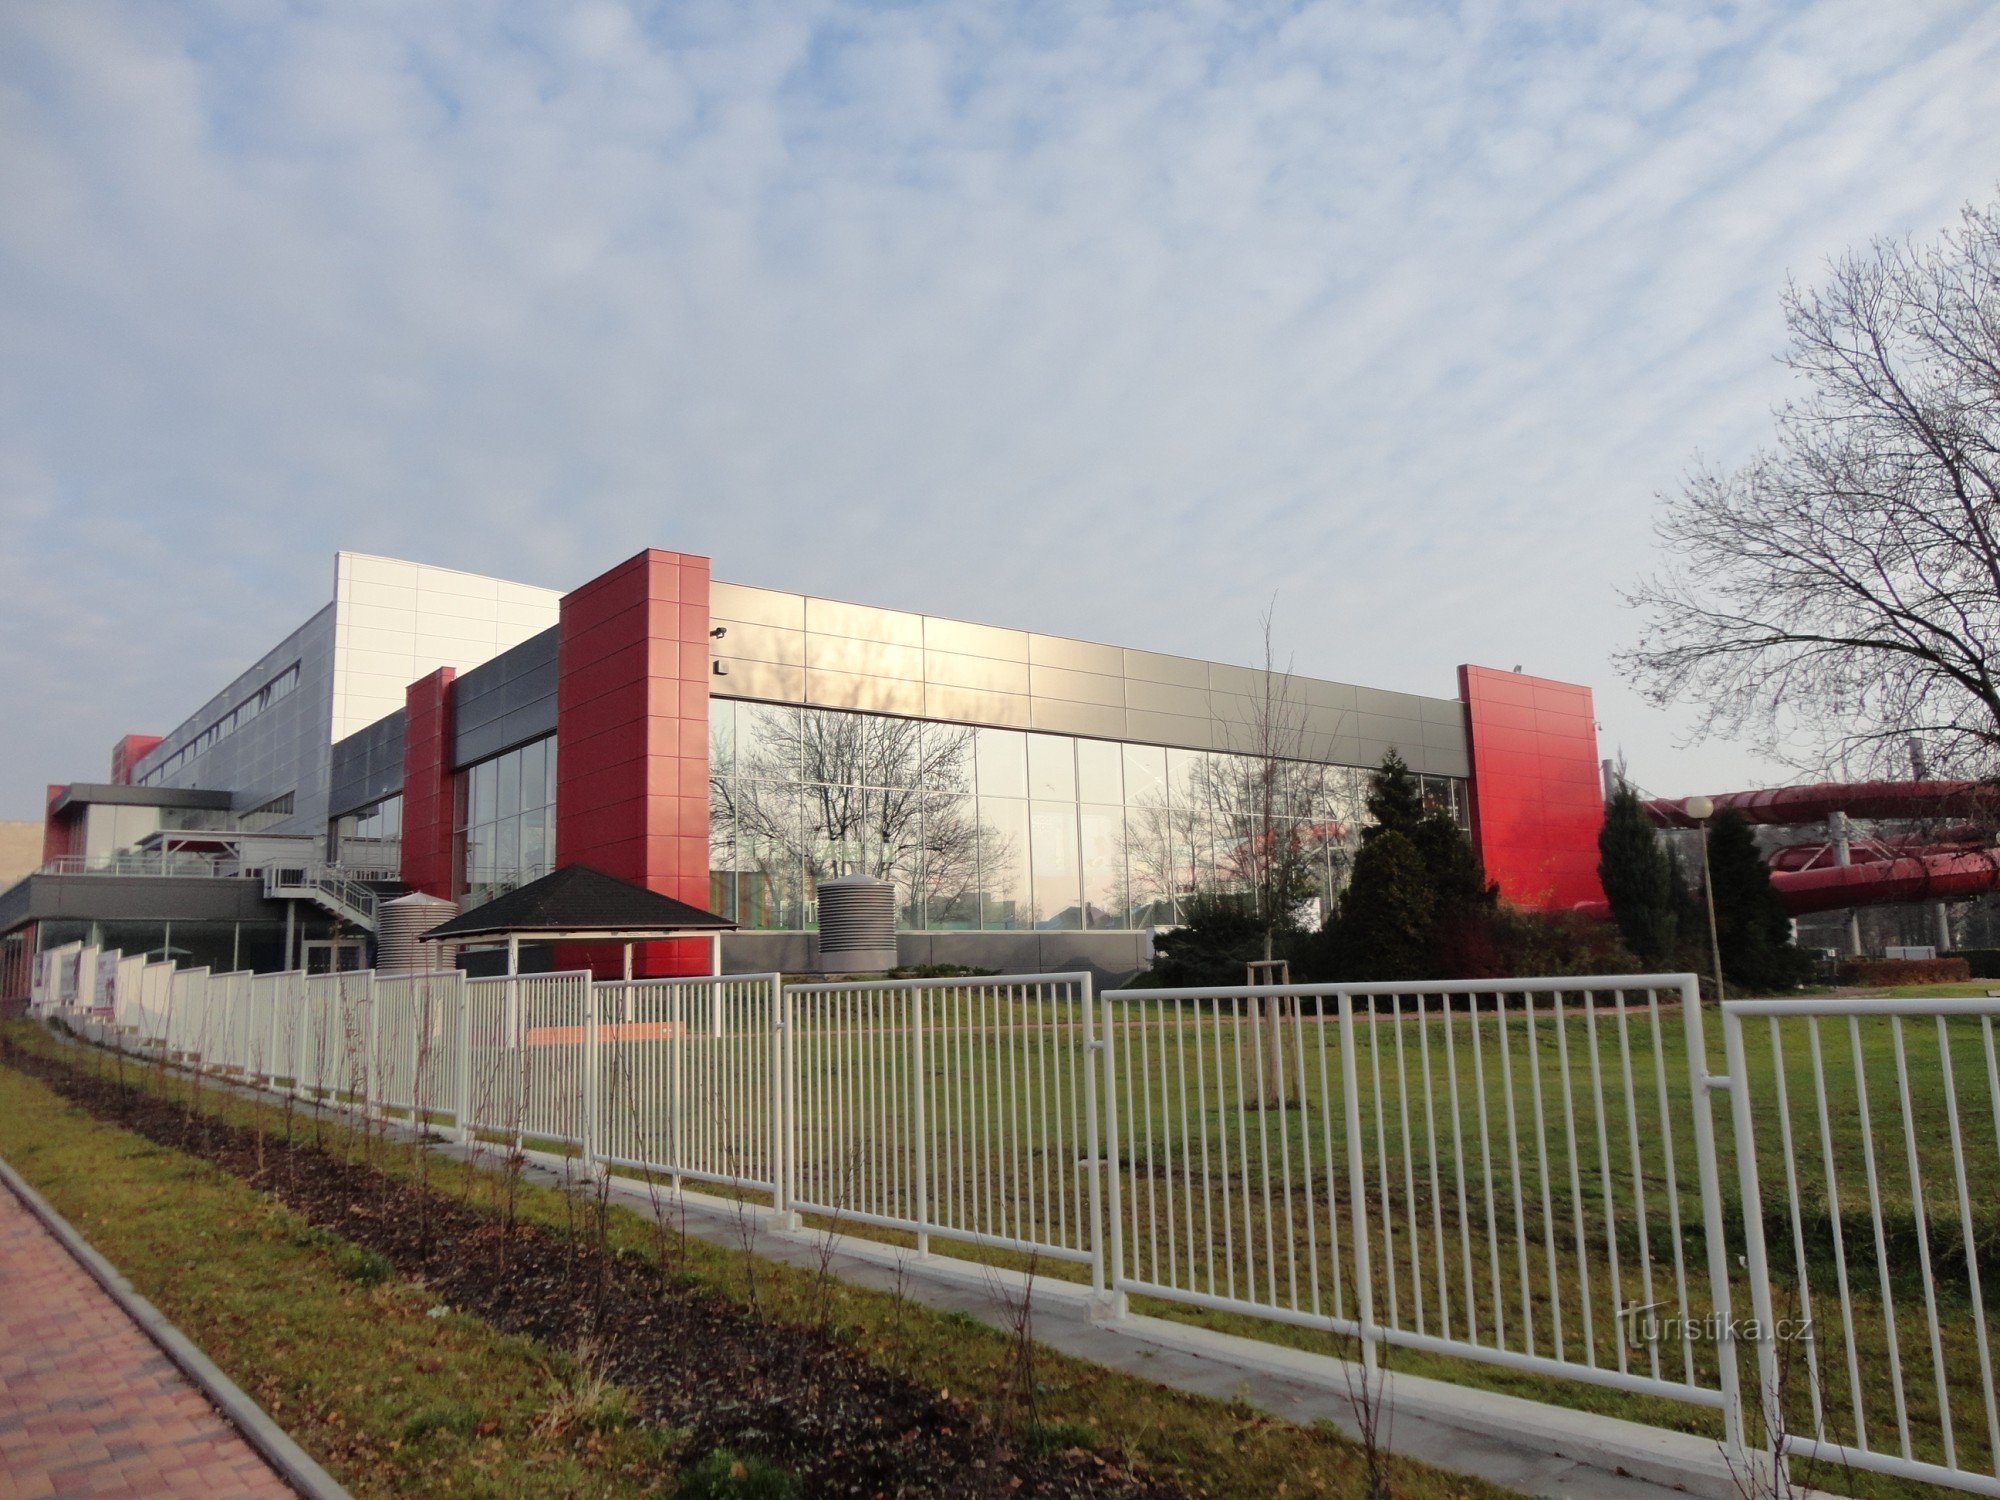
57,833
632,735
127,753
430,837
1536,798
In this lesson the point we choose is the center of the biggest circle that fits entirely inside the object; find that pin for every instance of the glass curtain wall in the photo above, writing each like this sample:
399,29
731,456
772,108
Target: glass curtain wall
507,820
371,839
1003,829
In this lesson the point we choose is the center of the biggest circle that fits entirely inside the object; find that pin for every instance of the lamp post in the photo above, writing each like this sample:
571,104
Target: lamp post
1701,809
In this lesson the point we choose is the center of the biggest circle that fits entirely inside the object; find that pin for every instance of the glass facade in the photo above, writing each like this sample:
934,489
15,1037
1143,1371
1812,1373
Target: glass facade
1005,829
371,839
507,820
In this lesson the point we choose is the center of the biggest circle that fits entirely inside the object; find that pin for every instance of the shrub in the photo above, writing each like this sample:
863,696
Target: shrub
1904,971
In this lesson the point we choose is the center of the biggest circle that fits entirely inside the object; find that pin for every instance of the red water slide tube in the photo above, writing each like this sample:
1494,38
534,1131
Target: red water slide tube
1894,871
1858,799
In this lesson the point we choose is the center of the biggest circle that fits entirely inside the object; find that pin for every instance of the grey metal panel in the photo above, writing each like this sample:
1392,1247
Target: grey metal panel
862,658
1076,687
1396,730
971,707
984,674
1160,698
506,701
764,680
735,601
966,639
1442,760
118,898
79,793
884,695
1150,666
1442,711
1342,697
761,643
1170,729
367,766
1092,719
1076,656
863,622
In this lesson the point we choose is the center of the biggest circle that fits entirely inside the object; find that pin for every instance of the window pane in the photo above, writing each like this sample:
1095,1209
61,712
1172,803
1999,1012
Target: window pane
1002,762
485,787
1106,899
947,760
533,758
1058,889
767,741
890,751
948,874
507,851
1098,774
721,736
507,773
1052,767
1005,898
535,861
1145,775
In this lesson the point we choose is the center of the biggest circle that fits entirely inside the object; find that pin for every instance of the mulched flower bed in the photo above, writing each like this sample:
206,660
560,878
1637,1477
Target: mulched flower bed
707,1367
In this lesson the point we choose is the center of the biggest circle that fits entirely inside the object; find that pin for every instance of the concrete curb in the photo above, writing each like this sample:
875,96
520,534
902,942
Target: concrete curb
293,1464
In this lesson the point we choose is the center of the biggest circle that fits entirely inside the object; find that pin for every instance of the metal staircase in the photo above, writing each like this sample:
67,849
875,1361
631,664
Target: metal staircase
326,887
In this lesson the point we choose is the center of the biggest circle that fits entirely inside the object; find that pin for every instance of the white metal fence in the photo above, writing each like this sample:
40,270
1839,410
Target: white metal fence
1525,1174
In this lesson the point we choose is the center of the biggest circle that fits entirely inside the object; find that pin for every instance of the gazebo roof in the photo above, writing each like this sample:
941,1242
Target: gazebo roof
577,902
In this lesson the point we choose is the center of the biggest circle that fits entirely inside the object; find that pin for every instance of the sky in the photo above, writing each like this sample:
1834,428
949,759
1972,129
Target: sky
1126,322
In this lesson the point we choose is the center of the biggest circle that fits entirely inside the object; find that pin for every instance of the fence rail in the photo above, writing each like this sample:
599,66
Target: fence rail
1524,1174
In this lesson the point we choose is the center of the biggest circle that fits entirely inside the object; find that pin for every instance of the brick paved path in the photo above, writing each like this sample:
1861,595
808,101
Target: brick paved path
88,1404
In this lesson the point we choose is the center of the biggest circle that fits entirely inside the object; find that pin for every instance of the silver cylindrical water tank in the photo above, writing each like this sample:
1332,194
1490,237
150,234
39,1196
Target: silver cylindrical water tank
857,925
401,923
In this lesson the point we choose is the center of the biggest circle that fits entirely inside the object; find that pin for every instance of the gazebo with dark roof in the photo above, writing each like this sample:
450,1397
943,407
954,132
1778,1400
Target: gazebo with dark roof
577,904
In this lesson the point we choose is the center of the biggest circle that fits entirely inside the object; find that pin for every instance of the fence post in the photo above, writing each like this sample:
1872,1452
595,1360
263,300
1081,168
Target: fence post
462,1065
591,1076
1756,1253
1357,1184
1107,1254
368,1106
783,1102
1701,1085
920,1143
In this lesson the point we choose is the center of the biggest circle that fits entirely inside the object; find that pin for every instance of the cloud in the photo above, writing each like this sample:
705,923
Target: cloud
1115,322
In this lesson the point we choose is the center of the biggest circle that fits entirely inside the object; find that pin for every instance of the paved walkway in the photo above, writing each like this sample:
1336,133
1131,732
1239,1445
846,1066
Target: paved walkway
88,1404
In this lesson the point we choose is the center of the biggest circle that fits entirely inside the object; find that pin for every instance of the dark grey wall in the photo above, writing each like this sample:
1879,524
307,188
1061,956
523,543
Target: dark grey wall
1110,957
135,898
507,701
367,766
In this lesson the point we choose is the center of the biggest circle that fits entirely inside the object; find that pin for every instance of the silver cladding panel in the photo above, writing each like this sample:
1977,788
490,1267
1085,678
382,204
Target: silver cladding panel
791,648
286,748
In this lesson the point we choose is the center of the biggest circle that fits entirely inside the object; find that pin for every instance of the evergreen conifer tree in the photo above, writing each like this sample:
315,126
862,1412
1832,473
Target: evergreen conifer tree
1387,911
1751,927
1639,881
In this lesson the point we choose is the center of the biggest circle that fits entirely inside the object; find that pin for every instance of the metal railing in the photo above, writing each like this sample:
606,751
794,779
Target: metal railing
1491,1171
1868,1133
1522,1174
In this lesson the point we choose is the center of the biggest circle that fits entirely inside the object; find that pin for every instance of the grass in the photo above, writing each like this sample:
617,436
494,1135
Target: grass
1532,1243
390,1399
343,1366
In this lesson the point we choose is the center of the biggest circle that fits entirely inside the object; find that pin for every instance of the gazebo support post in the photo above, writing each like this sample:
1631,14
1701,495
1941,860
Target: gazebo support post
715,954
628,961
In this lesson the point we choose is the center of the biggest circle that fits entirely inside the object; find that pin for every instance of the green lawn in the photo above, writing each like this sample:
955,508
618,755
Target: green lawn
394,1401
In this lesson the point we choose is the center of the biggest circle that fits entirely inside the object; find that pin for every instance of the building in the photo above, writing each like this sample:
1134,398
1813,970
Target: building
1039,802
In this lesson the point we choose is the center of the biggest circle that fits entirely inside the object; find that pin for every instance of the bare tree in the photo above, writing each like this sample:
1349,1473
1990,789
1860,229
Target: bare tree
1838,596
844,793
